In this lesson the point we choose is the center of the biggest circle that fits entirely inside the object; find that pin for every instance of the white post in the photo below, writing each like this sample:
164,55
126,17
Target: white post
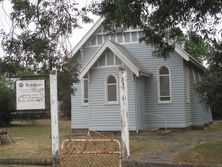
54,118
124,114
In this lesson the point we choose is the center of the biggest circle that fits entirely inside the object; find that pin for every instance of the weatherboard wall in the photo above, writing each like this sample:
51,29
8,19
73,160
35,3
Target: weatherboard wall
144,109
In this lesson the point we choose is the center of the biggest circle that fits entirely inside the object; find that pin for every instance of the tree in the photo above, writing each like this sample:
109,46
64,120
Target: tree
7,98
38,37
194,45
39,31
162,21
66,77
210,88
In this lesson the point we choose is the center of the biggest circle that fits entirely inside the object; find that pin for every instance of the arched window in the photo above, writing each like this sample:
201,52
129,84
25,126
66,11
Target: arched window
164,92
111,89
85,90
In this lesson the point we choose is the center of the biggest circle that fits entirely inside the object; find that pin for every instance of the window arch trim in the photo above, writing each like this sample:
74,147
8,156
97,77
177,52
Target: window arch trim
107,101
158,85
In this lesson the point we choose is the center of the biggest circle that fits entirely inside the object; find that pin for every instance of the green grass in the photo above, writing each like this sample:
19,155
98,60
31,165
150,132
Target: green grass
204,153
141,145
32,139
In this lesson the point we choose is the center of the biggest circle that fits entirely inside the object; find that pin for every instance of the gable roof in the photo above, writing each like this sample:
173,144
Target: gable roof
87,36
178,49
188,57
122,53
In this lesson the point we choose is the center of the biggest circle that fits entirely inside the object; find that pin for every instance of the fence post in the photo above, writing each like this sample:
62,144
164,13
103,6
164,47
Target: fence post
54,118
124,114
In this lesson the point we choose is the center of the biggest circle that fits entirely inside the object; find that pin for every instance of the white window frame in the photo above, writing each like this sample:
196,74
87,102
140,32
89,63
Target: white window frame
106,63
158,85
188,84
194,77
83,91
106,91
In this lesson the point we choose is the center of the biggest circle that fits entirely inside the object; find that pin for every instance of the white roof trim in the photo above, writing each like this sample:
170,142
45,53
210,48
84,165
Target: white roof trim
178,48
188,57
182,52
117,52
87,36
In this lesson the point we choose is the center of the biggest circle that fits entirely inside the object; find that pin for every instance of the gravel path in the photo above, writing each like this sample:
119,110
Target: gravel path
179,141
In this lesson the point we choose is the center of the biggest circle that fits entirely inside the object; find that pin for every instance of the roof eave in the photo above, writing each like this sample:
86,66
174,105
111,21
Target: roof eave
87,36
188,57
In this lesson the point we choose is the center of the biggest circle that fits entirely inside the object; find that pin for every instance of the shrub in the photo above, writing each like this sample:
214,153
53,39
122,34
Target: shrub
7,104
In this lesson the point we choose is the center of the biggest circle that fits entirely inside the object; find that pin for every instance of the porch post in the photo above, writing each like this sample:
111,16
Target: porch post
54,118
124,113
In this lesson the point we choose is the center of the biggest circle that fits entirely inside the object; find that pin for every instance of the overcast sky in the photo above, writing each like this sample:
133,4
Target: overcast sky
77,34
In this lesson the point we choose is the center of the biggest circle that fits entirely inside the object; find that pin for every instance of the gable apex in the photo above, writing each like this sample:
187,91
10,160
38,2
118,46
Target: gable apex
87,36
121,53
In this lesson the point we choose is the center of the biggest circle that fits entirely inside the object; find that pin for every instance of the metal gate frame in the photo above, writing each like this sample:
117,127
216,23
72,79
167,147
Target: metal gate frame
77,148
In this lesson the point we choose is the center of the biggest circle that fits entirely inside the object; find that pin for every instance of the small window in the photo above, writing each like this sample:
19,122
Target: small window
127,37
118,61
85,90
110,58
113,38
188,84
120,38
134,37
99,39
102,61
93,41
111,89
164,84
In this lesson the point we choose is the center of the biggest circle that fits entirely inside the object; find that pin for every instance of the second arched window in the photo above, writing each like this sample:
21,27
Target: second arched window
111,89
164,84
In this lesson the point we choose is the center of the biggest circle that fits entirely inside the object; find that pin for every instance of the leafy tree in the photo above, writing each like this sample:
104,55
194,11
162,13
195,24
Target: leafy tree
8,99
38,37
194,45
162,21
66,77
210,88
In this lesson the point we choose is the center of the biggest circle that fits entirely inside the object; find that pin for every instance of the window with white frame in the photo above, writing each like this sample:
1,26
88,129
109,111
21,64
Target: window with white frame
164,92
132,35
85,90
108,59
188,84
111,89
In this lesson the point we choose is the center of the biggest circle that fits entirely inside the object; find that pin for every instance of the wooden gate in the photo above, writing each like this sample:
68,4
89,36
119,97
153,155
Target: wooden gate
90,152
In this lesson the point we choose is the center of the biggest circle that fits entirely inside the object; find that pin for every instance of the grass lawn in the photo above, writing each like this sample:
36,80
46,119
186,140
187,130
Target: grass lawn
204,153
32,140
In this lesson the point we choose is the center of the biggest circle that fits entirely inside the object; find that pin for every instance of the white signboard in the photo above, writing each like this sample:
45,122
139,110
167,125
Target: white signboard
30,94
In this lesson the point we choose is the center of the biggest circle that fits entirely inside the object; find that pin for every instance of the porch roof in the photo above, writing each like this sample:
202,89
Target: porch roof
122,53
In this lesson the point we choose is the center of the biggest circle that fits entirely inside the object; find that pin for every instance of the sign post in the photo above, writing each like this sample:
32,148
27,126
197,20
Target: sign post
54,118
124,114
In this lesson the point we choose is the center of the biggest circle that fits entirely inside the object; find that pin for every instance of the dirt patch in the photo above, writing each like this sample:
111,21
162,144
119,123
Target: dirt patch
179,141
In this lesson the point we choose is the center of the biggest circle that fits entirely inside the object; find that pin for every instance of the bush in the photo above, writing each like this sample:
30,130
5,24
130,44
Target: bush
7,104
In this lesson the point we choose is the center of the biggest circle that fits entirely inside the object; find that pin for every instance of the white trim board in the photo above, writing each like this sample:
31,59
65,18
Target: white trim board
178,48
108,44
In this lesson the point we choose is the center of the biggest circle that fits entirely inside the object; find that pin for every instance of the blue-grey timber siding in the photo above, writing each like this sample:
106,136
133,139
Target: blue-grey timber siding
98,116
140,94
187,94
174,112
143,105
80,113
197,113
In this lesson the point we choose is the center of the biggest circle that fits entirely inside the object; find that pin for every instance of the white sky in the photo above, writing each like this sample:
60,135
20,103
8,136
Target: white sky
77,33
